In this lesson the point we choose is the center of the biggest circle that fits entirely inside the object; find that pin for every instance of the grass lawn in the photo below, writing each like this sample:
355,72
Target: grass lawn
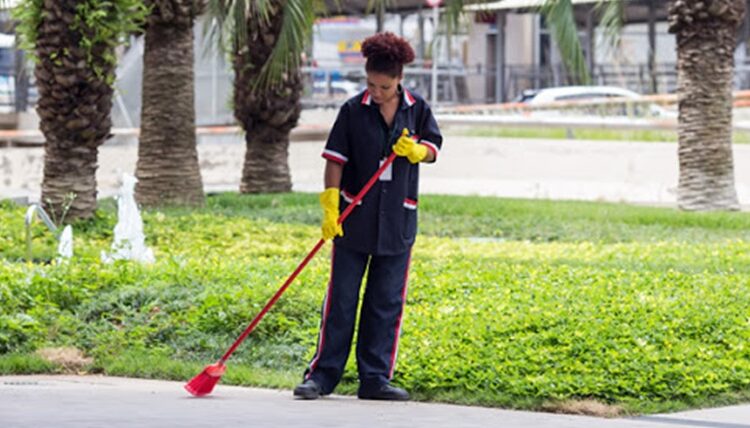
514,303
739,137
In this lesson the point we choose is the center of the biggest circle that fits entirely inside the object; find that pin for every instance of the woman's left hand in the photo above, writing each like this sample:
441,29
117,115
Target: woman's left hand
407,146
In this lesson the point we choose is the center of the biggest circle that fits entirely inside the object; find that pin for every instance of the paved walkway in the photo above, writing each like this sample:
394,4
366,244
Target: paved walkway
510,167
94,401
551,169
498,167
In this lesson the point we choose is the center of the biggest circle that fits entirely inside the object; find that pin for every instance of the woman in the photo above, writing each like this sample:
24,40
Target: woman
378,235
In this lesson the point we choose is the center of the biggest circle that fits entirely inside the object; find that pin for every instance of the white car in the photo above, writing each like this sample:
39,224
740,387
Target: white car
339,88
592,93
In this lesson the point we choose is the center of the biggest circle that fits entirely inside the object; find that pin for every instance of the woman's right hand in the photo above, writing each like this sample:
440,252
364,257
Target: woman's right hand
329,201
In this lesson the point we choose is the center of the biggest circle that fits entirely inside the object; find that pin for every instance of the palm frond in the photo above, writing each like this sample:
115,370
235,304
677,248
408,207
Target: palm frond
239,24
212,27
612,21
297,24
375,6
227,23
453,12
260,9
220,25
227,28
559,17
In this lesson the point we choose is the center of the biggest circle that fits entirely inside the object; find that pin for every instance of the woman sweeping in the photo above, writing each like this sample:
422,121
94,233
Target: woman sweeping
378,235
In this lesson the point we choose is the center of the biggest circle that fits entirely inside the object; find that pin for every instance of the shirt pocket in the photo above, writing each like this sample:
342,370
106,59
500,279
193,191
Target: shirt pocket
410,219
353,223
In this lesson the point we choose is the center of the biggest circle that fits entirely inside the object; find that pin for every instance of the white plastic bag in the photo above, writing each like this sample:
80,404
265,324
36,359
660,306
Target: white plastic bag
129,243
65,247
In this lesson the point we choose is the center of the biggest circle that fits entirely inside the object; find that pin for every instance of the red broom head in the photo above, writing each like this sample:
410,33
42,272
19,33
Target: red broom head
204,383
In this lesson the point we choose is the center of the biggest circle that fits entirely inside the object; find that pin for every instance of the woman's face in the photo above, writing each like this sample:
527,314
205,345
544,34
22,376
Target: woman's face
383,88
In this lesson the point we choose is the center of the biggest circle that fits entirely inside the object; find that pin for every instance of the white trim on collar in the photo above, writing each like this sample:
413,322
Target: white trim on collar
409,98
366,98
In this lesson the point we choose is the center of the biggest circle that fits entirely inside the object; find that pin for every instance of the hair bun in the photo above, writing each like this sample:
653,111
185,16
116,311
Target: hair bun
390,46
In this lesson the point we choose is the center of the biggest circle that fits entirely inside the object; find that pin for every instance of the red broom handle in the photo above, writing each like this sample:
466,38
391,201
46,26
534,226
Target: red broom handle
307,259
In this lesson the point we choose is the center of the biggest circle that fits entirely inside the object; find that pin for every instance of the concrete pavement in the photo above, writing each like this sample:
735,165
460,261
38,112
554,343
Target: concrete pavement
525,168
511,167
95,401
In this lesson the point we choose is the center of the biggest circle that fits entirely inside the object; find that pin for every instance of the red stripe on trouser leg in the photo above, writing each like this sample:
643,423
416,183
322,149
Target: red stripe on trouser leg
394,352
323,322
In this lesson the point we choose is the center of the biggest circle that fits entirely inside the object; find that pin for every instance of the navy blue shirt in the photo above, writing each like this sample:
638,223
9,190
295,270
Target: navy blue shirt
386,221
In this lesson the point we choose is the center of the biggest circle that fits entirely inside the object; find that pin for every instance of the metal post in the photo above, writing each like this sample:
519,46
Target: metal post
22,82
214,86
537,46
380,19
329,87
435,22
652,46
420,24
591,45
500,57
420,49
451,80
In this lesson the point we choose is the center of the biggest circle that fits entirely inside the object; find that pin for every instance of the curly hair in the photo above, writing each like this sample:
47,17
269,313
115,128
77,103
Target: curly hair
387,53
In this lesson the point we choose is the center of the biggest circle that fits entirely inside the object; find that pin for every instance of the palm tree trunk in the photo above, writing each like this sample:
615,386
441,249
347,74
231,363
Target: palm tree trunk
706,39
266,167
167,169
74,110
69,169
267,114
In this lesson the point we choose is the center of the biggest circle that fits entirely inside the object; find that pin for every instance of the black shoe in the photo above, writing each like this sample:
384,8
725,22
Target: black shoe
384,392
308,390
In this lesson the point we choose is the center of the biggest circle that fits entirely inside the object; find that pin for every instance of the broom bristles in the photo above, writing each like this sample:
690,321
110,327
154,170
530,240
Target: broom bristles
204,383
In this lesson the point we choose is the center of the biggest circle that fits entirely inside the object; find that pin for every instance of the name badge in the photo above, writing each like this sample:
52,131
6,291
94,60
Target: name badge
387,175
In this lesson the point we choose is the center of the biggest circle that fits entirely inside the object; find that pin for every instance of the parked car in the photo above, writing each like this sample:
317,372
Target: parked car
592,93
339,89
319,95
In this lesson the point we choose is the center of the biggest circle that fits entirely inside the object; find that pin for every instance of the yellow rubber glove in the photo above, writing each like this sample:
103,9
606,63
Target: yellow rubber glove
329,201
406,146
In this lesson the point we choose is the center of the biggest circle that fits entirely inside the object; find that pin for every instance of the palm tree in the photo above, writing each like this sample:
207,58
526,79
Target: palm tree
167,167
706,40
73,43
265,39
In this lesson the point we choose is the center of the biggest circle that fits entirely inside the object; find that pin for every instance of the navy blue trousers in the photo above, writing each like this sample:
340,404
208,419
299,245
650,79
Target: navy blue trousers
379,320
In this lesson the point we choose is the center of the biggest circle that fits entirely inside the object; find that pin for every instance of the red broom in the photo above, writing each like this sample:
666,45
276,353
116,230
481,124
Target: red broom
205,381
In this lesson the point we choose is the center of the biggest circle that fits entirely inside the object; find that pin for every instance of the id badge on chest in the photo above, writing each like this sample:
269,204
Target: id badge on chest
387,175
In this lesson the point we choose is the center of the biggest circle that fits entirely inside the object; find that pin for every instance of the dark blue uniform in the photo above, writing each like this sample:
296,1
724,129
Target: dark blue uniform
378,236
386,223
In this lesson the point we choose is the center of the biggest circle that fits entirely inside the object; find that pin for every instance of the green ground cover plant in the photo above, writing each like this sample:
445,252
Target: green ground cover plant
512,303
740,137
